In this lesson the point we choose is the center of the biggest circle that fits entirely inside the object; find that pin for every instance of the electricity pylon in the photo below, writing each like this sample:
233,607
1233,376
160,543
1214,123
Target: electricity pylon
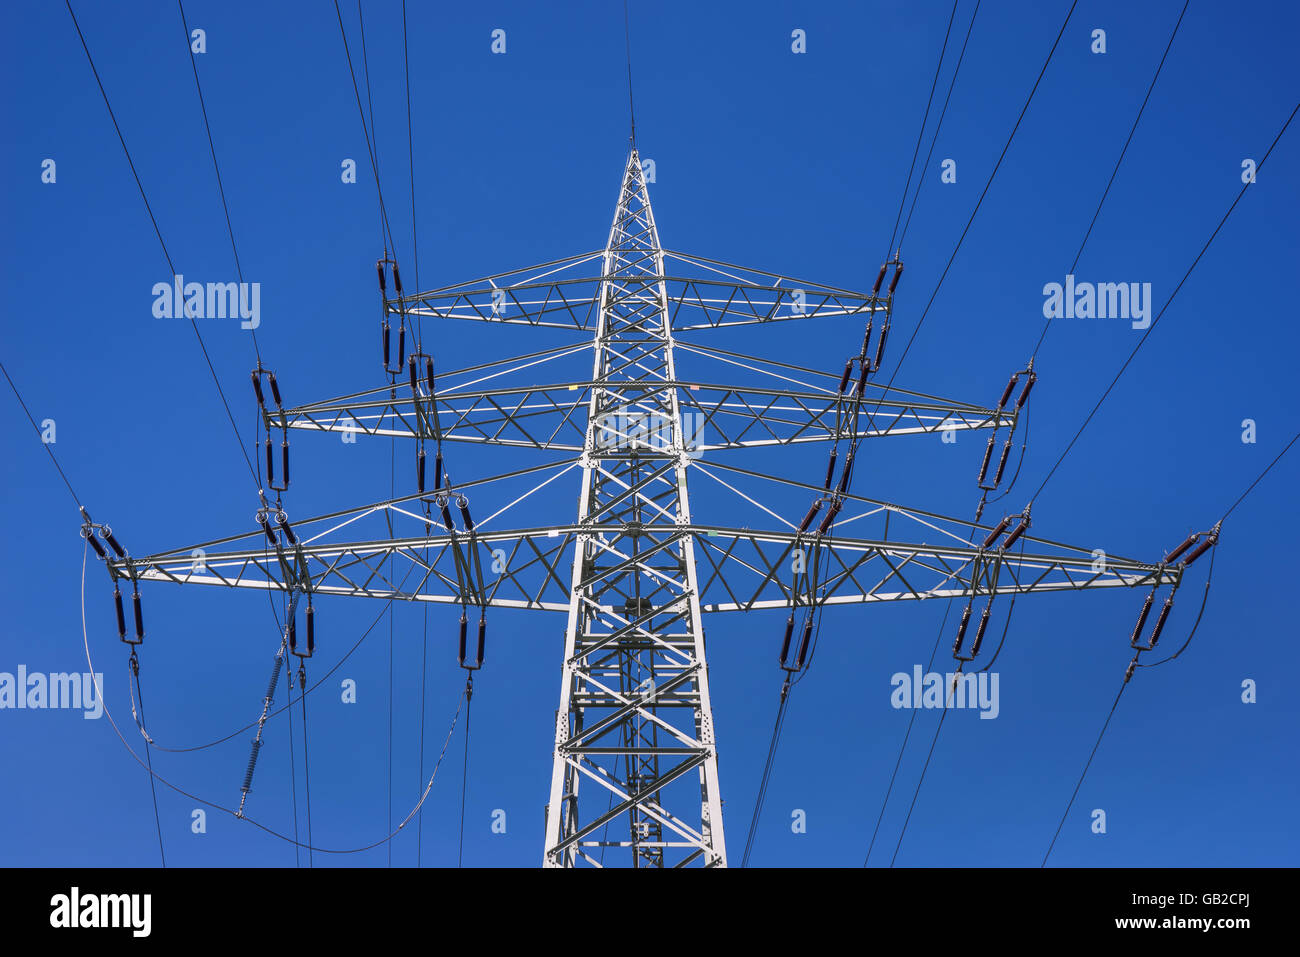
636,572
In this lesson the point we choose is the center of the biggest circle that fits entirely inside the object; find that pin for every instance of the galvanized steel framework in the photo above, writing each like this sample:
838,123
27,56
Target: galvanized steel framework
635,757
634,711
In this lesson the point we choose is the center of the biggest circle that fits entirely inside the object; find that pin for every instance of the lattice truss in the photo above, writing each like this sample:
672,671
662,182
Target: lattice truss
635,760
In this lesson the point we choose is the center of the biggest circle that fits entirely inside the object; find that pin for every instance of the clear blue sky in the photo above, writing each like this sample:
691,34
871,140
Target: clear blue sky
792,163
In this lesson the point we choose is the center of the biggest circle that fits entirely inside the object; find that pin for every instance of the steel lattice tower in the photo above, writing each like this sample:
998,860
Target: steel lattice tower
635,573
634,710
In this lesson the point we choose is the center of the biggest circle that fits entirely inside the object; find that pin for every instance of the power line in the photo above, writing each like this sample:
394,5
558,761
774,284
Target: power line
306,771
370,149
234,248
1242,497
216,166
140,186
166,254
627,38
365,71
767,771
1087,234
933,141
787,687
85,637
1128,674
464,779
1195,625
153,791
939,125
135,667
392,457
1096,213
921,780
49,451
410,151
392,493
293,766
1087,764
253,724
1122,153
915,794
903,748
962,238
424,673
920,134
1156,321
814,606
415,256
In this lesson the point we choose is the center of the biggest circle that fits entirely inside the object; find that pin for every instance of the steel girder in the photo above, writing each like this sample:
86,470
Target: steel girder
738,569
697,293
721,417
